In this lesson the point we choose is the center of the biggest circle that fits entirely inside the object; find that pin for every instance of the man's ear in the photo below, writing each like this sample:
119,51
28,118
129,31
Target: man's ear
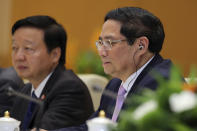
143,43
55,54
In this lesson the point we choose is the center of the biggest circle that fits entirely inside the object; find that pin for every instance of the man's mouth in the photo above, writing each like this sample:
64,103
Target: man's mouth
21,67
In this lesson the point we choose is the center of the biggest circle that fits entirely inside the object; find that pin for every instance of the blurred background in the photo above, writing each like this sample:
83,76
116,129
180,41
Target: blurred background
83,20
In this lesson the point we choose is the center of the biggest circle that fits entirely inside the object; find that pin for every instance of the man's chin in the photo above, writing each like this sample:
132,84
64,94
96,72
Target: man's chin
24,76
107,71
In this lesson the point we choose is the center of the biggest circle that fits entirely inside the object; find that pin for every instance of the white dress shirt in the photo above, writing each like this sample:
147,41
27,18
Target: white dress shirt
40,87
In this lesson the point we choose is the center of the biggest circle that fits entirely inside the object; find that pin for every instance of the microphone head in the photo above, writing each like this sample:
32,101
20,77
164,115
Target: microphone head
6,88
9,90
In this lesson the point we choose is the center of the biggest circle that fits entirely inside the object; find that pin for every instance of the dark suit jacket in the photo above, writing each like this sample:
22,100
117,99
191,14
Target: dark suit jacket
8,77
67,102
144,80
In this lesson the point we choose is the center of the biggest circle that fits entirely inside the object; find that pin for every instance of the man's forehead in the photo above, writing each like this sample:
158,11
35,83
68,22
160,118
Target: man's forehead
25,41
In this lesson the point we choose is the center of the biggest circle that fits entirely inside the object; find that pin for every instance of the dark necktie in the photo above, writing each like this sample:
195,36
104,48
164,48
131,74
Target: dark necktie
29,113
119,103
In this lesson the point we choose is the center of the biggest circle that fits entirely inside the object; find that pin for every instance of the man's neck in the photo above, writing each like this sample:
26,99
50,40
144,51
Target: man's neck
144,60
37,80
40,87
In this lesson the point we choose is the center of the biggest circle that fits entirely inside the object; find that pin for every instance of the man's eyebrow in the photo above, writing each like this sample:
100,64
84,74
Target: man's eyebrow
29,42
106,37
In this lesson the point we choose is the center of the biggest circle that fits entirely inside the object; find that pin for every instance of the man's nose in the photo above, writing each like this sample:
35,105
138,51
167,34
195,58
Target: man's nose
19,55
103,52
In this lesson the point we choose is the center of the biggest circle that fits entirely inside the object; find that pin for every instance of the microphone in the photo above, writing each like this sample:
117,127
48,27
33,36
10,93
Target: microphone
99,89
110,94
10,91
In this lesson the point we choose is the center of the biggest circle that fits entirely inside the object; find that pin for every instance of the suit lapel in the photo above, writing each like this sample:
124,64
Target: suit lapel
26,102
49,85
51,81
111,101
157,59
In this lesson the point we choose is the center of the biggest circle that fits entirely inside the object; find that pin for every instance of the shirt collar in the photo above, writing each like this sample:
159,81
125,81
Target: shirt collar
40,87
132,78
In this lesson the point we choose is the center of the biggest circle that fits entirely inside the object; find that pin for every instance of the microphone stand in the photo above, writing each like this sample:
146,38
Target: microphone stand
105,92
11,91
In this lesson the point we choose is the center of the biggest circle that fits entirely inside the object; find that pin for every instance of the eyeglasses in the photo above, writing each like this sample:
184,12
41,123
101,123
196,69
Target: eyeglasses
107,45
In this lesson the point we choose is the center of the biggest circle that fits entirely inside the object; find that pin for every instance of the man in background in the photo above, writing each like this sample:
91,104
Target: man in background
8,78
38,55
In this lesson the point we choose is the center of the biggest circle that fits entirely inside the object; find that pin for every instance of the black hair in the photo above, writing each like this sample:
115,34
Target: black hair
54,34
137,22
